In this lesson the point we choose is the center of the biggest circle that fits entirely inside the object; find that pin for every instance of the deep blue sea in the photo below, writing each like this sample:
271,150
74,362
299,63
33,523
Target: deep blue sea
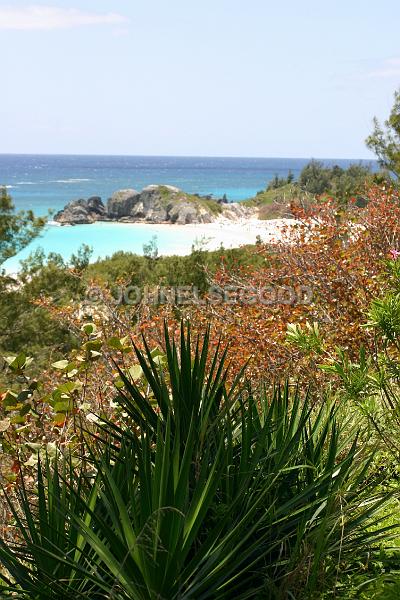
41,182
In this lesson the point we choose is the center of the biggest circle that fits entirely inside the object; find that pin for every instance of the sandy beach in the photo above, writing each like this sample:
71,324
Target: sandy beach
106,238
245,231
229,234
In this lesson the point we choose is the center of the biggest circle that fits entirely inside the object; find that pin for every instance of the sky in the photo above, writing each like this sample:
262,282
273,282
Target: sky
183,77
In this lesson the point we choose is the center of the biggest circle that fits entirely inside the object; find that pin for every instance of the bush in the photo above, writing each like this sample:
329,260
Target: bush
197,489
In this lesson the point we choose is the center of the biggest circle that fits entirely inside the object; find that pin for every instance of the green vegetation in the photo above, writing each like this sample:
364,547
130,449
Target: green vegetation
278,182
275,202
145,452
180,480
385,141
27,324
199,202
315,181
17,229
200,489
335,181
193,269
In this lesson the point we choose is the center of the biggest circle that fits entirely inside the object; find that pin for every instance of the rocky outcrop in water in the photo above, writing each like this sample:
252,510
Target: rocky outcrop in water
154,204
80,212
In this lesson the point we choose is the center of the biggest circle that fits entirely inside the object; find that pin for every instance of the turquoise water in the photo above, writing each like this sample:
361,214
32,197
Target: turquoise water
43,182
107,238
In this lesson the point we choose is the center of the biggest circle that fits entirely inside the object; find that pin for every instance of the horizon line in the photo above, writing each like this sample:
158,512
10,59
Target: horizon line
321,158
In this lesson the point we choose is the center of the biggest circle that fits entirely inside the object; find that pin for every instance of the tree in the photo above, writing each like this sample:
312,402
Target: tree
279,182
314,178
385,141
150,250
17,229
341,183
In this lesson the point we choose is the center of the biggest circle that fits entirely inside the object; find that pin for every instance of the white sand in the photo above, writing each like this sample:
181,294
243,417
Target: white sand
232,235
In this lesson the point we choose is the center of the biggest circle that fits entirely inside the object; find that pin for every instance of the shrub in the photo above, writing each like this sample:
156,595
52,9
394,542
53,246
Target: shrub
198,489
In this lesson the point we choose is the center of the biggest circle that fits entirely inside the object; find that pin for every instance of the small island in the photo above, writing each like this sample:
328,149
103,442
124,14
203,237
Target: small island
155,204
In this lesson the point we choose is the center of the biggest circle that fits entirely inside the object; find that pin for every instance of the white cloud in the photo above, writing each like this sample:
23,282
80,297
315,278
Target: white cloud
389,68
40,17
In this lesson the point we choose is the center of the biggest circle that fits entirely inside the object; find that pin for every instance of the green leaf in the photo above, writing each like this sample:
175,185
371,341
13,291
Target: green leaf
64,407
89,328
62,365
18,363
25,410
136,372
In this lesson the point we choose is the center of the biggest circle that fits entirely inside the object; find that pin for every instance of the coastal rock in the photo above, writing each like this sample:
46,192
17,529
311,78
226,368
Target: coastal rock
157,188
158,204
81,212
154,204
204,216
236,211
155,200
95,205
121,203
183,213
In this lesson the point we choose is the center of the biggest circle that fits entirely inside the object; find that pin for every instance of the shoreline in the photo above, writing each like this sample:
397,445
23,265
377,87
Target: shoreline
223,231
109,237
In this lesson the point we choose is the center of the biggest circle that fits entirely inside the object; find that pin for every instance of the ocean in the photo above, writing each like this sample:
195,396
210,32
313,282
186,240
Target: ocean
42,183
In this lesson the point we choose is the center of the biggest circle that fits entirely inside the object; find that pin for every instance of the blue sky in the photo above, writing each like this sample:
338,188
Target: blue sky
209,78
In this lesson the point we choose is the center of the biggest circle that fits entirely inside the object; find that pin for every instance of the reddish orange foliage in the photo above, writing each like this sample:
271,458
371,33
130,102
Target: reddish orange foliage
340,256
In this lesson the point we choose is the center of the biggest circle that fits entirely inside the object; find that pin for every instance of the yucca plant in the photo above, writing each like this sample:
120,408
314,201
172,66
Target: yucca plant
384,316
203,491
49,556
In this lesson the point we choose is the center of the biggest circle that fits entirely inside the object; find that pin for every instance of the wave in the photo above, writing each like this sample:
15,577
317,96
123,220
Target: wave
72,180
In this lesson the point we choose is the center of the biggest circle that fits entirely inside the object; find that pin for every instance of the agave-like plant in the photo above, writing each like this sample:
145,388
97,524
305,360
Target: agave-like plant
205,490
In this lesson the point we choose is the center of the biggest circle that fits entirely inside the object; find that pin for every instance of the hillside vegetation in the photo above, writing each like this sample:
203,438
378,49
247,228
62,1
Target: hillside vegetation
219,426
315,183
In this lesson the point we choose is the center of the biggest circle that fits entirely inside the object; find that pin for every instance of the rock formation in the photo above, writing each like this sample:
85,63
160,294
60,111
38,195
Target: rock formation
80,212
154,204
121,203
